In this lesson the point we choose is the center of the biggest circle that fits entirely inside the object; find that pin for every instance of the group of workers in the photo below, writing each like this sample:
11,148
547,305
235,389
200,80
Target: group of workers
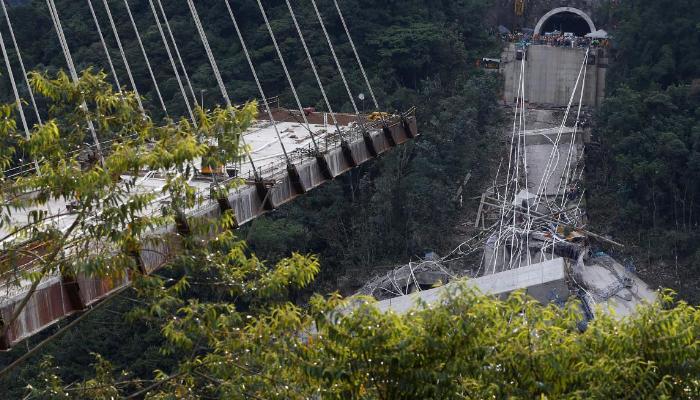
556,38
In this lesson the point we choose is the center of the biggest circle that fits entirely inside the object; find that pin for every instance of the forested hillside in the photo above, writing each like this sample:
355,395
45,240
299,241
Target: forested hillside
222,323
416,52
643,178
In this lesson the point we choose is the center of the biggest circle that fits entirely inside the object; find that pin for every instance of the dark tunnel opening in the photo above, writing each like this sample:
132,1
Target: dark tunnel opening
566,22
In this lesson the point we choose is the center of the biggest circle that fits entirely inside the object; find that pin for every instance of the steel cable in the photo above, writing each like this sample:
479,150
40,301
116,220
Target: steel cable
145,56
217,75
123,55
172,63
313,68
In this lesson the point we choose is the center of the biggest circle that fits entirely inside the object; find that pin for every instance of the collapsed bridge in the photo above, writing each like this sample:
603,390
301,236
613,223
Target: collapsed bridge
288,152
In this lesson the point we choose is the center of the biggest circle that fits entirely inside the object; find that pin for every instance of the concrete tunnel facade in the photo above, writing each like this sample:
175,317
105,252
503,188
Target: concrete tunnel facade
565,19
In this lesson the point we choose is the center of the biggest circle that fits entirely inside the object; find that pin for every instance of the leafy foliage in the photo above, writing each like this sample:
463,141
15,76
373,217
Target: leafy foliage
244,339
643,176
41,237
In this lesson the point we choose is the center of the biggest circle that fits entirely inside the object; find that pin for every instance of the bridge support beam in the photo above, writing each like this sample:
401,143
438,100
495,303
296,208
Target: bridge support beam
70,283
324,167
224,206
4,340
347,153
264,195
389,136
295,179
407,128
183,227
136,255
369,144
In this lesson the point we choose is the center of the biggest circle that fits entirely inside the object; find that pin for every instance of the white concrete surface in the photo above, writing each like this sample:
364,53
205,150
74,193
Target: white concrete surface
601,274
266,152
539,148
544,281
550,75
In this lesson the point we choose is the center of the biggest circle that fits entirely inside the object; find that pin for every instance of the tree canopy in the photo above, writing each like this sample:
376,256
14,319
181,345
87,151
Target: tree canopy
221,322
642,178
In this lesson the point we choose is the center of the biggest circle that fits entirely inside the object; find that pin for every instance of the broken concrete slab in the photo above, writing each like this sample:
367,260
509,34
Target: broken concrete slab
545,281
611,288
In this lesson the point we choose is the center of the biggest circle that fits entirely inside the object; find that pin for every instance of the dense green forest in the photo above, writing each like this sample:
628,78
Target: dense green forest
643,177
417,53
203,342
384,213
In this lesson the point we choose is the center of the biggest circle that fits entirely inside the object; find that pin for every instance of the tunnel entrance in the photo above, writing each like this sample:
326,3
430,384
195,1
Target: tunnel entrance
566,19
566,22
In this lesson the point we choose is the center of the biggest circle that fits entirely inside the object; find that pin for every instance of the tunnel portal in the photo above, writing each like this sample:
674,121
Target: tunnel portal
566,19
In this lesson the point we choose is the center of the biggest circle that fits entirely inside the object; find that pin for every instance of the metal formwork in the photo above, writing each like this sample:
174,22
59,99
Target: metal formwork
58,297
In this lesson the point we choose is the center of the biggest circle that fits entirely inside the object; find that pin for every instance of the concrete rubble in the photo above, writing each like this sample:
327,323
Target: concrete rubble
532,221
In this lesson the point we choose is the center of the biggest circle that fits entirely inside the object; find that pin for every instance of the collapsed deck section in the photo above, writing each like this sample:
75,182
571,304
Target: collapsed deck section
545,281
279,182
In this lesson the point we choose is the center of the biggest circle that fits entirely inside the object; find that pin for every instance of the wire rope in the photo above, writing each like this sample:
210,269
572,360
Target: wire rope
104,46
177,51
564,178
257,81
313,68
15,91
21,62
286,73
335,58
508,171
129,74
18,99
357,55
551,166
217,75
145,56
74,75
172,62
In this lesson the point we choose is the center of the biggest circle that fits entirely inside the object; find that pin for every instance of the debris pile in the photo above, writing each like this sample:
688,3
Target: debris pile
409,278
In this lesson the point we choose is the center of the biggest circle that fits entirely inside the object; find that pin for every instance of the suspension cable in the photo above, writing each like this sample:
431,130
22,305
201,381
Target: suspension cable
564,178
71,68
104,46
172,62
313,68
286,73
21,62
335,57
525,171
145,57
123,55
177,51
551,166
260,89
217,75
508,171
18,100
357,55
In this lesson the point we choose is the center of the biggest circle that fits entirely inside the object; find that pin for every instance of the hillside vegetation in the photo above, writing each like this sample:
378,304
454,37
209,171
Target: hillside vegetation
643,178
221,322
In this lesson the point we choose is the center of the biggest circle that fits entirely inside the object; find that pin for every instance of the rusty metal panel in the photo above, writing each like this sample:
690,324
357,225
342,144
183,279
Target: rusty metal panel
93,289
48,304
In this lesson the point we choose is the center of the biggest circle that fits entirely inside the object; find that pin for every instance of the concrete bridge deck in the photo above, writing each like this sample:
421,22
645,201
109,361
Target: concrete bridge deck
58,297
